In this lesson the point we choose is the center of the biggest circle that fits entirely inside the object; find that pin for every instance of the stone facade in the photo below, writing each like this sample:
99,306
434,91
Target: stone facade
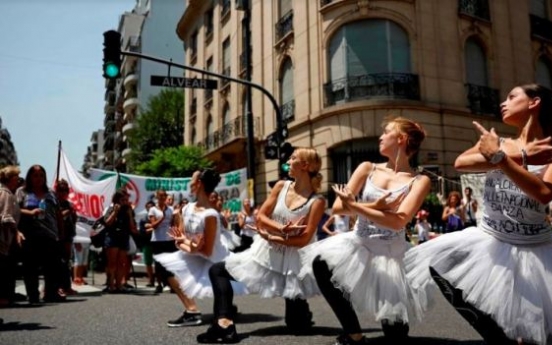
461,58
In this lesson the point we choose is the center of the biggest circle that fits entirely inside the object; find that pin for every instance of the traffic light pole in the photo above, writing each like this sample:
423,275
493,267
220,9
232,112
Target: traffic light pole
249,109
279,119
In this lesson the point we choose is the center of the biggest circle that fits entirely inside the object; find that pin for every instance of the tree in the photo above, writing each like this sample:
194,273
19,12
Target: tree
8,156
179,161
159,126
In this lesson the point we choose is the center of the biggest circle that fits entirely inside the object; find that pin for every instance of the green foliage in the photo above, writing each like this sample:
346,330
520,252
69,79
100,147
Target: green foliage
159,126
179,161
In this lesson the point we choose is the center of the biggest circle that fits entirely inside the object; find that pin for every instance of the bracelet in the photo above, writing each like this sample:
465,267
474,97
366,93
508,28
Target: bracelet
524,158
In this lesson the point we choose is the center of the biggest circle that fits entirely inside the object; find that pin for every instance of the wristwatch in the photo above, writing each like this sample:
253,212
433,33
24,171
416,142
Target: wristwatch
497,157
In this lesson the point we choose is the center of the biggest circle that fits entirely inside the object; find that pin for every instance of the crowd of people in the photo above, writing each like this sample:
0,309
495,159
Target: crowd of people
494,270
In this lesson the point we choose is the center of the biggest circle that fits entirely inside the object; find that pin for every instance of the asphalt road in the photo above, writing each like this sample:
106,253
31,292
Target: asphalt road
140,318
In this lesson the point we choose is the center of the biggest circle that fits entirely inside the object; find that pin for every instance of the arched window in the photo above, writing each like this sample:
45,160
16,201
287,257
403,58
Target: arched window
226,114
370,58
287,97
193,137
538,8
210,126
388,51
476,63
481,98
543,75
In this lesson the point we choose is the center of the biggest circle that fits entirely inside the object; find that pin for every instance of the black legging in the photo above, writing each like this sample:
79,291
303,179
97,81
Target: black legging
222,291
339,304
160,247
298,316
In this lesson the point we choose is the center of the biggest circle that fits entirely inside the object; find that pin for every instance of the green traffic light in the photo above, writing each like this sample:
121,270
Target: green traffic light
111,70
285,167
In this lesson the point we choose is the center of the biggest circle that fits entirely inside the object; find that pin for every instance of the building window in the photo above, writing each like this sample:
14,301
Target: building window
538,8
544,73
285,20
475,8
476,63
381,69
541,26
226,59
209,67
481,98
193,47
209,25
226,114
193,137
210,126
287,96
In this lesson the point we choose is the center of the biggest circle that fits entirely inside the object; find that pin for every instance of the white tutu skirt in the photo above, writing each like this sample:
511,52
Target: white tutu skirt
271,270
192,273
370,272
512,283
229,239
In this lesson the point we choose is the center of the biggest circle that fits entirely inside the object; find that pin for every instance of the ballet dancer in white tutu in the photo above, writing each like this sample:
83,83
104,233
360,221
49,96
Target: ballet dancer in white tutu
200,244
363,270
498,275
287,221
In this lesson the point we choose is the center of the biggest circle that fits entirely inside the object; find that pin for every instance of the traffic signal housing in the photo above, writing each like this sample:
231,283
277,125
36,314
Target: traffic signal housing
286,150
112,54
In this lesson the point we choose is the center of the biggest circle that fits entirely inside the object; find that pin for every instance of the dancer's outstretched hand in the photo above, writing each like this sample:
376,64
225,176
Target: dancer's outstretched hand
344,193
384,203
176,234
489,142
294,226
539,152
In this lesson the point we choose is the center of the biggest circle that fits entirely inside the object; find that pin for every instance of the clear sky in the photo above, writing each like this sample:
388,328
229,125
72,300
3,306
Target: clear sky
51,84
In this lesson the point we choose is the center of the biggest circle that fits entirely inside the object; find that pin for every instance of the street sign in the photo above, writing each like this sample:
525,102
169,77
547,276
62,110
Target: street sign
271,146
192,83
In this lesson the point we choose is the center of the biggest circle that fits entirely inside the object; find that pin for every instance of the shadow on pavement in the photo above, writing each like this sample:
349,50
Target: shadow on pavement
18,326
283,330
245,318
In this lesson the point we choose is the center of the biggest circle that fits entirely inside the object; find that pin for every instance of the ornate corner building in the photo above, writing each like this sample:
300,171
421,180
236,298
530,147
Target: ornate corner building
339,67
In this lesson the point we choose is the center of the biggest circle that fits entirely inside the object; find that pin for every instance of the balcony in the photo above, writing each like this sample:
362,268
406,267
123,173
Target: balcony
232,130
483,100
288,111
325,2
131,79
109,108
127,128
475,9
109,118
130,104
372,86
284,26
541,27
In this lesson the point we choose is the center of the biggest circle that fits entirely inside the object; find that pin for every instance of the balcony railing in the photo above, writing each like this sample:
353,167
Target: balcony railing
288,111
379,85
284,25
233,129
483,100
193,107
325,2
541,27
475,8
